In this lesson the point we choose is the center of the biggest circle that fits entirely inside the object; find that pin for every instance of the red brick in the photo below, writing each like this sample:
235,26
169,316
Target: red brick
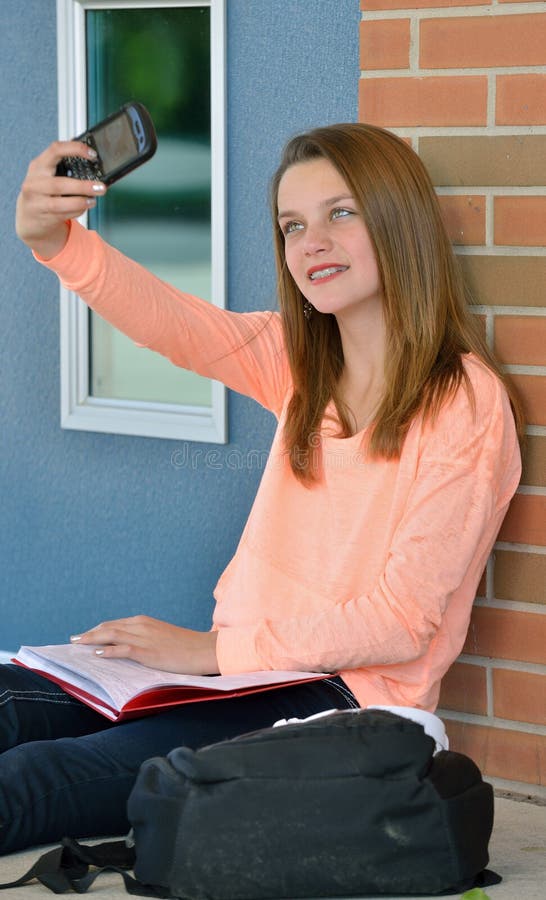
385,44
469,41
435,100
500,753
464,688
534,463
464,218
521,100
520,576
521,340
507,634
520,221
505,280
532,393
499,161
525,521
418,4
520,696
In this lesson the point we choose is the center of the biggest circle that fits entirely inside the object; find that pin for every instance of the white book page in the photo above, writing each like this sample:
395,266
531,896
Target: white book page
116,681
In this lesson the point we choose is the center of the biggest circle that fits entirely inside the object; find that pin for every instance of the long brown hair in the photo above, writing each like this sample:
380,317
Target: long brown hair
426,306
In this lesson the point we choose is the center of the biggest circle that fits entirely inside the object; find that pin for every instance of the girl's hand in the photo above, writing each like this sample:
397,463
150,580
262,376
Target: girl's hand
47,201
156,644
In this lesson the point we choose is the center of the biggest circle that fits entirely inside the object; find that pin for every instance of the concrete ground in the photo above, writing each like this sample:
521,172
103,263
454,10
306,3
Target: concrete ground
517,851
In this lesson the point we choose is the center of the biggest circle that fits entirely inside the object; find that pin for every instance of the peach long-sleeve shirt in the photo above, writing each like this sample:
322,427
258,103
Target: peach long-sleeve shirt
371,573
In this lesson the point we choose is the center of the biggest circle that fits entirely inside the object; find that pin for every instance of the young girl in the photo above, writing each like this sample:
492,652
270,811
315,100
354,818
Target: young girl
392,467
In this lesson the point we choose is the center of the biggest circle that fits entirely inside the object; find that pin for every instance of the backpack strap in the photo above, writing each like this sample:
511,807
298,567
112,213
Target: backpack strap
67,868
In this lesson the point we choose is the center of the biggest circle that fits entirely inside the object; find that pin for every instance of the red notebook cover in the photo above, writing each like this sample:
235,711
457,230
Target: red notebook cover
148,700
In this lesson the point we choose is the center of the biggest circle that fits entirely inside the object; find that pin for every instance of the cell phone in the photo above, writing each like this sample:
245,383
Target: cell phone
122,141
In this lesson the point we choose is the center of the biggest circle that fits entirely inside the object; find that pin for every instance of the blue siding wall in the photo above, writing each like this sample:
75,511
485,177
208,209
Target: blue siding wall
96,526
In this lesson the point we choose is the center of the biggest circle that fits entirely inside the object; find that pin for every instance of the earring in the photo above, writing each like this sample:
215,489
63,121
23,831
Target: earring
307,310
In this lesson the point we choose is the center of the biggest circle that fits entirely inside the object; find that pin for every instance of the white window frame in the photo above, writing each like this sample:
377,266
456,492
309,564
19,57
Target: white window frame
79,409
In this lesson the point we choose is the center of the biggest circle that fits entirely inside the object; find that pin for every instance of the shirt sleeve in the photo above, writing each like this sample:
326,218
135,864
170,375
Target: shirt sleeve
245,351
468,469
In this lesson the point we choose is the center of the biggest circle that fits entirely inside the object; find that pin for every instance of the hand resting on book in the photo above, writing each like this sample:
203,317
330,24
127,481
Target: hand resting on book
154,643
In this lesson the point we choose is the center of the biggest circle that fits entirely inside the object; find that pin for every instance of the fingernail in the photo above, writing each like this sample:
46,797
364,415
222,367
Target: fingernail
90,201
99,188
92,154
99,652
75,638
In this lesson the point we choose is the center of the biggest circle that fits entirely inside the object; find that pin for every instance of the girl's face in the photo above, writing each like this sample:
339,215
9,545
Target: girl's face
327,246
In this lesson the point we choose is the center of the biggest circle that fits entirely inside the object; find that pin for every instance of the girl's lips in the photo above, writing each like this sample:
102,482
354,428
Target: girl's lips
325,272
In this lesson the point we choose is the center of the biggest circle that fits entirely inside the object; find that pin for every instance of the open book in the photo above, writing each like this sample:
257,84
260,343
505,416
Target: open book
122,689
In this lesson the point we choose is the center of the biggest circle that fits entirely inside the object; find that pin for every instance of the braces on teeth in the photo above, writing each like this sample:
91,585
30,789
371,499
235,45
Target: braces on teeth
325,272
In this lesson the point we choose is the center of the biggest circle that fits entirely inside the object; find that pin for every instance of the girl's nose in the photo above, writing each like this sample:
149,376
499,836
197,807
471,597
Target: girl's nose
316,239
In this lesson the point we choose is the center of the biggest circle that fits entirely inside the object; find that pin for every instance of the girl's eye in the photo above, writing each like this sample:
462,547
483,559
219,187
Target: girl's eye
340,212
290,227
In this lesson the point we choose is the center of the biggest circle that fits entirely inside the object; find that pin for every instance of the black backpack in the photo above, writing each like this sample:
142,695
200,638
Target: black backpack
353,804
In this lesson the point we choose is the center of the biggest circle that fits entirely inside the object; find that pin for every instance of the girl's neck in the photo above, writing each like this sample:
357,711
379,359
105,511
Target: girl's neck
362,382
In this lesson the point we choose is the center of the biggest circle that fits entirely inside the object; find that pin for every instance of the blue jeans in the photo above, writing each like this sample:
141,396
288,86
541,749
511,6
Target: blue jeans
65,770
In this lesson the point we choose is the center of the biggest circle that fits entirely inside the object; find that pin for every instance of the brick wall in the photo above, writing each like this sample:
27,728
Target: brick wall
465,81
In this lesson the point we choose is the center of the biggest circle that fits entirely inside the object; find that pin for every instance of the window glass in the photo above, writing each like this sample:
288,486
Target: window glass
159,215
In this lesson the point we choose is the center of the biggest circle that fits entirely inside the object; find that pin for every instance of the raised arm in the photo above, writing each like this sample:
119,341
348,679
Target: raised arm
243,350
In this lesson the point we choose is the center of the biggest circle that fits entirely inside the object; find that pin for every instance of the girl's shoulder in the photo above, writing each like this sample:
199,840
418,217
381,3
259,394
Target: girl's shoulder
476,413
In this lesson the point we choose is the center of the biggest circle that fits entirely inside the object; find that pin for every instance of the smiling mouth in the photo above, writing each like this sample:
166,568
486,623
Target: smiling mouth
325,273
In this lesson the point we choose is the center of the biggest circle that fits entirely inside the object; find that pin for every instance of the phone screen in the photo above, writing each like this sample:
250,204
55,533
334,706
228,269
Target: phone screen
115,143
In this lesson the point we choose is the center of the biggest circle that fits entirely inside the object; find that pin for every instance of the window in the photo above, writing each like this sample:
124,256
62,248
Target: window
168,215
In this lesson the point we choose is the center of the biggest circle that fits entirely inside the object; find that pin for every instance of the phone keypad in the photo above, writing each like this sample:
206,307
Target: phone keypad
76,167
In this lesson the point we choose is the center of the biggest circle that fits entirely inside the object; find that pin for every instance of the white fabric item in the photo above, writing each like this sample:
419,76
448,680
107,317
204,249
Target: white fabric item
432,725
